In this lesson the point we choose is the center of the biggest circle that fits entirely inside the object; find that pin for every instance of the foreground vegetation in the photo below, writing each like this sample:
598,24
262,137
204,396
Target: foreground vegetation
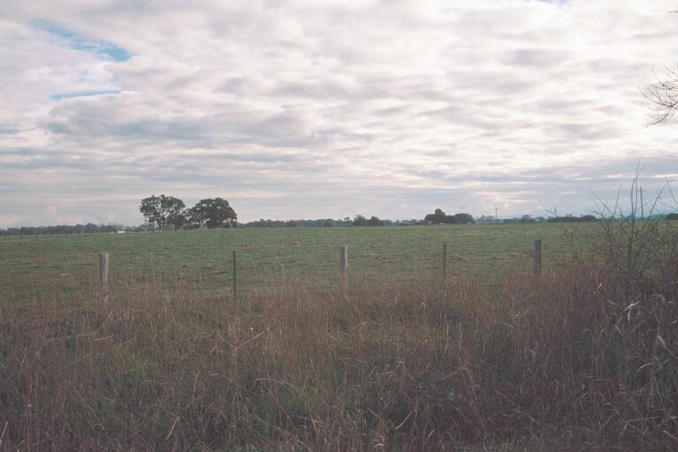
585,357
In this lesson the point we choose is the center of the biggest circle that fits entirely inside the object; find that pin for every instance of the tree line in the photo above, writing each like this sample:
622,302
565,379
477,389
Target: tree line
89,228
168,212
358,220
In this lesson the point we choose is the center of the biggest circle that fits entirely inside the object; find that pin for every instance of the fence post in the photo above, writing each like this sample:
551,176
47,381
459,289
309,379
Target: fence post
444,261
235,280
343,267
104,277
537,257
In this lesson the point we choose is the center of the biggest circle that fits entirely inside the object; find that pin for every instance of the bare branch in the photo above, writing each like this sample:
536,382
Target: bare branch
663,94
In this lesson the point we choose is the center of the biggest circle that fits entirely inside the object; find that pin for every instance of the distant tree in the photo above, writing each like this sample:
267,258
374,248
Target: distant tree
163,211
437,217
527,219
359,220
212,213
463,218
572,219
487,219
672,217
374,221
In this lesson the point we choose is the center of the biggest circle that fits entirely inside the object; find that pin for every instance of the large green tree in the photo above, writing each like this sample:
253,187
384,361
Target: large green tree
212,213
163,212
439,217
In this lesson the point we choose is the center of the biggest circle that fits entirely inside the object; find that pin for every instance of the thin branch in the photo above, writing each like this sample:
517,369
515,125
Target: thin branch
663,94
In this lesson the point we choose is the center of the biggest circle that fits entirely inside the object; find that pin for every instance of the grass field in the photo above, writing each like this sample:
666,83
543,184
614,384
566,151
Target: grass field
34,266
584,357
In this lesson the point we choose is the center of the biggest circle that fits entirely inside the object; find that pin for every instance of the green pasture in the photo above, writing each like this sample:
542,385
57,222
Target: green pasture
35,266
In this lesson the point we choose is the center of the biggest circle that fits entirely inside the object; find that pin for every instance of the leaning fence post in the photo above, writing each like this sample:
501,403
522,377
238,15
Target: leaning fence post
537,257
444,261
235,280
104,277
343,266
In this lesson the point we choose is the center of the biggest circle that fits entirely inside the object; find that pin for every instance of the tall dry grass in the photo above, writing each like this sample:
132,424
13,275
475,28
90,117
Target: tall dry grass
585,358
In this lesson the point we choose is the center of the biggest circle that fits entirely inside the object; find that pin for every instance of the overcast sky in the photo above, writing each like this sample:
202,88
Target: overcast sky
317,108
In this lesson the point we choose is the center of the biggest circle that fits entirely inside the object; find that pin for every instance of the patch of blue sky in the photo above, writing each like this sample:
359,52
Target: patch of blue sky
59,96
78,42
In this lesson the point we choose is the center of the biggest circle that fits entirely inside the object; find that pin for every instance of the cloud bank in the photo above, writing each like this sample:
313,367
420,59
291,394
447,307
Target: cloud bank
299,109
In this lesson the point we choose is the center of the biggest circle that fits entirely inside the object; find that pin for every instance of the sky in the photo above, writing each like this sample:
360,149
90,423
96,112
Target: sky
328,108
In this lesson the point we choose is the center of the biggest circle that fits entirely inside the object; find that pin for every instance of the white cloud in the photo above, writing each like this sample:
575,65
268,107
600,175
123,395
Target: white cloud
336,108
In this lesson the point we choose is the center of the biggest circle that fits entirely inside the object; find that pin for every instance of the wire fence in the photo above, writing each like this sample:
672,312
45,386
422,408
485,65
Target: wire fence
204,262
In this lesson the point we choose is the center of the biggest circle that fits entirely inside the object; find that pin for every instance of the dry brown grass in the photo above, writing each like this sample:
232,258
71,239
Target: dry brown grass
567,361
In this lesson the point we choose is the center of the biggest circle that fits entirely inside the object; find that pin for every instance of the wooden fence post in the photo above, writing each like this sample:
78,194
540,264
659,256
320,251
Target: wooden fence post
104,277
343,267
537,257
235,280
444,261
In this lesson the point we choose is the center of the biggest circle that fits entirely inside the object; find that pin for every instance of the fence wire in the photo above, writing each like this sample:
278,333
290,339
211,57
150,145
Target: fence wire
33,266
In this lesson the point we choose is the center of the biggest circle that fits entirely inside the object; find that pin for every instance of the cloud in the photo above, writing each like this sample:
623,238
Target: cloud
327,109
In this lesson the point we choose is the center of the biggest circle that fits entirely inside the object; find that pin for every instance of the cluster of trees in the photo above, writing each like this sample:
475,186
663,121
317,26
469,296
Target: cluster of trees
319,223
360,220
529,219
572,219
262,223
167,212
88,228
439,217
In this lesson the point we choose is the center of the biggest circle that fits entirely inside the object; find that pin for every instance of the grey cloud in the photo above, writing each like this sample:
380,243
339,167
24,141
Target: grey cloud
107,119
8,129
320,90
537,58
576,131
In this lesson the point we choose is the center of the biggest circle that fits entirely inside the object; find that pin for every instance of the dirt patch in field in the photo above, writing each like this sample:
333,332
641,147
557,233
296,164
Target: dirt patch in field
382,257
523,254
456,257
